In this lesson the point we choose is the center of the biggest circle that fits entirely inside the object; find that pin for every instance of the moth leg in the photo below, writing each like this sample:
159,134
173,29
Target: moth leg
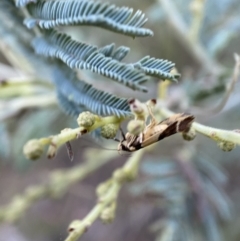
115,139
131,140
141,137
153,120
122,133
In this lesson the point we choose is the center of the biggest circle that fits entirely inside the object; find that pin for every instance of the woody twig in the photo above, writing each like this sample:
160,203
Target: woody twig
229,90
107,193
226,139
87,122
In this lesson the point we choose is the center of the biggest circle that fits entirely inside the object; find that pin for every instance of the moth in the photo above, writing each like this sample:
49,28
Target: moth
155,132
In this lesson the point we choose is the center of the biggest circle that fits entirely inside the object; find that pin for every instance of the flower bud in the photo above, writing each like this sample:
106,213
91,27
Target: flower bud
151,103
119,175
226,145
103,187
109,131
108,214
139,109
33,149
189,135
73,225
86,119
135,127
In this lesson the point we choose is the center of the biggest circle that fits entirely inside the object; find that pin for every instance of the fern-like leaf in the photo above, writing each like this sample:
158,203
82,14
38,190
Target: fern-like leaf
22,3
119,54
69,107
84,56
159,68
49,14
86,96
17,37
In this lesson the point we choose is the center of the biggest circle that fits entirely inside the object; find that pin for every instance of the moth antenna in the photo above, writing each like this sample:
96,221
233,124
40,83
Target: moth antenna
122,153
127,154
153,119
95,145
123,135
101,147
109,149
115,139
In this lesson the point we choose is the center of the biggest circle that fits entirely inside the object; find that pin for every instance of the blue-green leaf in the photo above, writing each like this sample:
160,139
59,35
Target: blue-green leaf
159,68
22,3
84,56
68,106
49,14
86,96
119,54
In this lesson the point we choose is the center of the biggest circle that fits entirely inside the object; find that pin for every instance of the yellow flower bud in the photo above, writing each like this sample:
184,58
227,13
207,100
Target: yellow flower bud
139,109
189,135
33,149
226,145
109,131
86,119
108,214
135,127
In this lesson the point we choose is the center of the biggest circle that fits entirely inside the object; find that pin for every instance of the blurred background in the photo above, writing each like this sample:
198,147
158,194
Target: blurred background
185,190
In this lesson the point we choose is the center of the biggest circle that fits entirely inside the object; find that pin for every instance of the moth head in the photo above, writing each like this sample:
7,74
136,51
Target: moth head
123,146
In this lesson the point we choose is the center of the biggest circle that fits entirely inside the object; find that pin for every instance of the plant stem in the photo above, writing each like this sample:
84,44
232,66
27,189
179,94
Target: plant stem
94,213
59,182
180,28
120,176
213,133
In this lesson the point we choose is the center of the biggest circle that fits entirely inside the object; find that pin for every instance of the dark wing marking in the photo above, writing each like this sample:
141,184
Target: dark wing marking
185,124
170,130
170,126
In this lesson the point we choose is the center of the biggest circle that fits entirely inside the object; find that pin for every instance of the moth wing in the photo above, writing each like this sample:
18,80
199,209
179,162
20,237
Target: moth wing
164,131
184,121
170,126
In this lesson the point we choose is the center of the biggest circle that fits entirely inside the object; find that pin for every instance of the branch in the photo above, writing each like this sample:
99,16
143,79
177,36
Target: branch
11,87
229,90
184,160
218,135
197,8
12,107
87,121
197,51
107,195
57,185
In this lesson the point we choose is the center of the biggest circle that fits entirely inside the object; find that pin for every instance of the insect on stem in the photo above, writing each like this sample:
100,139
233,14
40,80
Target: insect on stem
155,131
